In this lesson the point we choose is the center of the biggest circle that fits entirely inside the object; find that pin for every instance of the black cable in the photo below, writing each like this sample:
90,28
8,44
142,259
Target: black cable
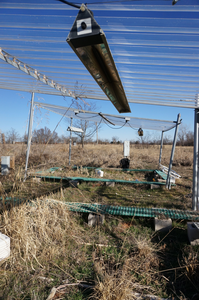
90,134
114,127
77,114
69,3
116,1
105,2
132,127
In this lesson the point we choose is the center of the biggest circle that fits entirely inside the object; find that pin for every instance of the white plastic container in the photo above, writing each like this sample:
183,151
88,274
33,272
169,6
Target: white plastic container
4,246
100,173
126,148
5,165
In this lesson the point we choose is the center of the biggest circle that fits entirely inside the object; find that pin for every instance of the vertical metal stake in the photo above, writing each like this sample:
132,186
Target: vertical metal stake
96,133
29,134
71,123
168,184
195,161
160,157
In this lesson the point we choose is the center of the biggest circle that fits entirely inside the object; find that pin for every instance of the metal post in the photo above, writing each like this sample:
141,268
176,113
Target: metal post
29,134
168,185
195,161
96,133
70,142
160,157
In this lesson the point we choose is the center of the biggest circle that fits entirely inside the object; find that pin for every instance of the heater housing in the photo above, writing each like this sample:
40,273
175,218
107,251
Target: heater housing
75,129
88,41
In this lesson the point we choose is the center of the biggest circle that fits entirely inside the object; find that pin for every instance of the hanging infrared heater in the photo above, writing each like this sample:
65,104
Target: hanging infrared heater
88,41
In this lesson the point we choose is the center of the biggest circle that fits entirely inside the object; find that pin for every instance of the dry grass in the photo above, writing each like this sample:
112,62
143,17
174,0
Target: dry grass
50,246
98,155
40,236
129,273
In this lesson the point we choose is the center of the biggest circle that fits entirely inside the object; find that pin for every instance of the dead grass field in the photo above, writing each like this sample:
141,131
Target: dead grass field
56,255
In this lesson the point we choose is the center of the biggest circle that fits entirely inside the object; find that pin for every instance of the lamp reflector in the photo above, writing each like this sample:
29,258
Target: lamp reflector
88,41
75,129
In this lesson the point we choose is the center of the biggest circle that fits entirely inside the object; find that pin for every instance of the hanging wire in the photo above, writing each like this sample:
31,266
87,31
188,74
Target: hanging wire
90,134
69,3
118,1
132,127
114,127
77,114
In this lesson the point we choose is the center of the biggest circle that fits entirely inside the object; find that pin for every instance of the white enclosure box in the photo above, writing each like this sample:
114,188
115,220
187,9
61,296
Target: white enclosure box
4,246
126,148
5,165
99,173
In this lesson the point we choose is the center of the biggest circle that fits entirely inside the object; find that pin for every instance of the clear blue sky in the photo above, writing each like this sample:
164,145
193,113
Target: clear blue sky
16,107
143,70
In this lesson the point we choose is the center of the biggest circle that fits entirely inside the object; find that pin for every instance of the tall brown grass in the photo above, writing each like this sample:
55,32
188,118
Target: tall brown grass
98,155
49,245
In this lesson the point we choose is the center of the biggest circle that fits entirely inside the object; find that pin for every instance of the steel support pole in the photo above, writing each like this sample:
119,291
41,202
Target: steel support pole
29,134
168,184
195,162
70,142
96,133
160,157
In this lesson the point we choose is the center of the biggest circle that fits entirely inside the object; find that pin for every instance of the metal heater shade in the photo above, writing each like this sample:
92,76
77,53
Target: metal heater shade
88,41
75,129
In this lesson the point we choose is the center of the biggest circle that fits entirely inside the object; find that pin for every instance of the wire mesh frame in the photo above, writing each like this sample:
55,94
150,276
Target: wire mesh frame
151,124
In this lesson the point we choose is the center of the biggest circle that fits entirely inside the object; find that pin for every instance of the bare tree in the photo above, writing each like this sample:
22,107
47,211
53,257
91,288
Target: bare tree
44,135
12,136
182,134
167,140
89,127
115,139
189,138
185,136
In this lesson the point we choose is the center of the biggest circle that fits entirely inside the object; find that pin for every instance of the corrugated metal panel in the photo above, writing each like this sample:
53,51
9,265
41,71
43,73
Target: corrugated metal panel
155,48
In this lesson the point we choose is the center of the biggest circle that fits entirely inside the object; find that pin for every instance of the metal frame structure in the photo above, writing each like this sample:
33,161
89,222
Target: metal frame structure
168,184
195,197
65,109
165,75
12,60
29,134
151,124
70,142
161,146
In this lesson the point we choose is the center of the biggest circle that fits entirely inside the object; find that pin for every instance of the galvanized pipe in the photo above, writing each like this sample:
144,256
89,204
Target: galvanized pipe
96,133
168,184
195,162
29,134
160,157
70,142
